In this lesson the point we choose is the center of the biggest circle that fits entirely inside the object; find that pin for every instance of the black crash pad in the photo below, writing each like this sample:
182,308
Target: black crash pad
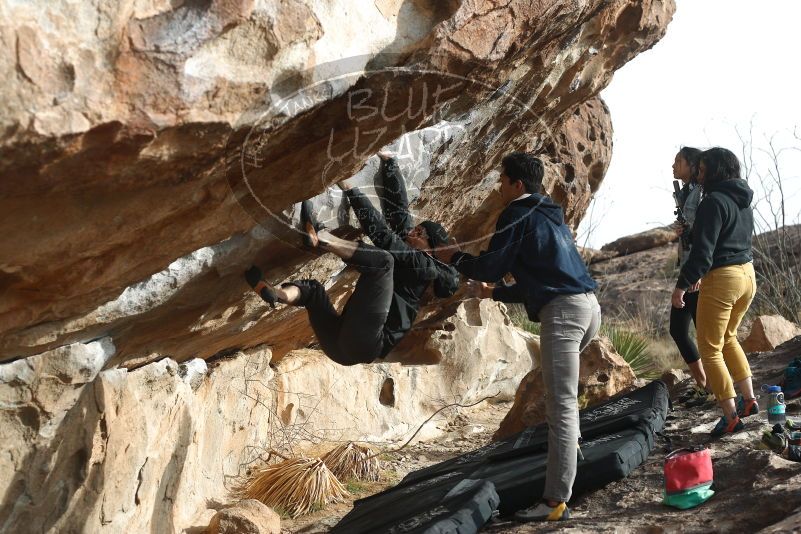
618,436
648,405
441,506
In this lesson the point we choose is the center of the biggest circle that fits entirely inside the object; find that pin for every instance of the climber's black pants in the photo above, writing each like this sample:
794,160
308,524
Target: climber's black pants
356,336
680,327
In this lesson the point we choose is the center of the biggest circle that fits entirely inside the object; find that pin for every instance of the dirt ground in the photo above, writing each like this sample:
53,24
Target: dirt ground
755,488
464,430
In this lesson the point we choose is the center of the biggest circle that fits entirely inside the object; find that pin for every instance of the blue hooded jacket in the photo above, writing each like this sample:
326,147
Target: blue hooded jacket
533,243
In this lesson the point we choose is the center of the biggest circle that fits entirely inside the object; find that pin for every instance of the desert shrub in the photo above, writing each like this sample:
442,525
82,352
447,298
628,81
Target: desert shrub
294,487
647,316
664,354
776,262
670,269
633,348
520,319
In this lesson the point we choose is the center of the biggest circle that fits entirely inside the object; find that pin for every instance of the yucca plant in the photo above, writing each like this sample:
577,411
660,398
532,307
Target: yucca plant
296,486
352,461
633,348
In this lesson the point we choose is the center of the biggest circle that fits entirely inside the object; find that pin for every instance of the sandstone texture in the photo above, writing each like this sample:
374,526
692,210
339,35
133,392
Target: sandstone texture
163,445
126,130
245,517
152,150
673,377
768,332
642,241
603,374
638,285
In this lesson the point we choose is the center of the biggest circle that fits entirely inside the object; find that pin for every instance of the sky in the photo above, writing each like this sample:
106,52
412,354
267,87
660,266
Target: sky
724,66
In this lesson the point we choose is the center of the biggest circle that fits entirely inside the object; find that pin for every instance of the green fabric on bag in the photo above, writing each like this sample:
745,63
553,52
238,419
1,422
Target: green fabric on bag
689,498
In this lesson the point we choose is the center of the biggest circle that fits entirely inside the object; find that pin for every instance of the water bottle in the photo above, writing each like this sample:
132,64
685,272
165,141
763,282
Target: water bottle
775,404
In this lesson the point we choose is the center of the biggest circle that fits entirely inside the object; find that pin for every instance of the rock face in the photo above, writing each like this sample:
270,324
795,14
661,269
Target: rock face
603,374
117,450
768,332
673,377
152,150
638,285
122,144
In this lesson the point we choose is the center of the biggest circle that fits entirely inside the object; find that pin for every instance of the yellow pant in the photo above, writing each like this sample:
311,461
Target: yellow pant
726,293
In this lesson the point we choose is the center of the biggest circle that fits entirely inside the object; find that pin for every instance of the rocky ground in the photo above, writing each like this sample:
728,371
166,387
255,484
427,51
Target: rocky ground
756,488
637,284
465,430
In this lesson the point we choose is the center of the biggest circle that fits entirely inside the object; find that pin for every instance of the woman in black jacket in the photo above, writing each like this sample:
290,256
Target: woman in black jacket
685,169
721,258
394,274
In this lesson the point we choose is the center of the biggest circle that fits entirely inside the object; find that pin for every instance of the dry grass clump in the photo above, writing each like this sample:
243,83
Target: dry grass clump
296,486
351,461
665,355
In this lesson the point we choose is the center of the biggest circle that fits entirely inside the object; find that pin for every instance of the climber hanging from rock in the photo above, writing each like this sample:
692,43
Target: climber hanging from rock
394,273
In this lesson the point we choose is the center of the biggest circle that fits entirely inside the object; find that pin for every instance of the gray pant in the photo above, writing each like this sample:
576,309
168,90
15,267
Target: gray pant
569,322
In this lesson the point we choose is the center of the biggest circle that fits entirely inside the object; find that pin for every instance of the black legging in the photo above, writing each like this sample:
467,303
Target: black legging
680,327
356,336
394,202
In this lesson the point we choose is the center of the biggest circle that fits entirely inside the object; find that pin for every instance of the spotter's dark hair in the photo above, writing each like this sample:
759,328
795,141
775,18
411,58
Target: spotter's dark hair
523,167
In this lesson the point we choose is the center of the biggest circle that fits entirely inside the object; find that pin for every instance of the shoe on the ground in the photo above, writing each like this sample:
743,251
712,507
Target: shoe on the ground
255,279
724,427
775,438
698,397
746,407
792,425
386,155
691,393
543,512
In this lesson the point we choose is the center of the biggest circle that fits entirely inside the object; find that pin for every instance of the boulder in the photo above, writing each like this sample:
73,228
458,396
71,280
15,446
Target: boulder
147,163
768,332
646,240
674,377
465,357
116,450
153,150
245,517
603,374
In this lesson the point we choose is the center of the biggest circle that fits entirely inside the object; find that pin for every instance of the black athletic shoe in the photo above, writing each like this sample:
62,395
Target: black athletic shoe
308,222
693,393
696,397
725,427
267,292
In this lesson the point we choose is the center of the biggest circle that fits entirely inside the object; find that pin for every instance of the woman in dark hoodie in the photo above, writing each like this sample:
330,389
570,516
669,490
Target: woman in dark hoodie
721,258
394,274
